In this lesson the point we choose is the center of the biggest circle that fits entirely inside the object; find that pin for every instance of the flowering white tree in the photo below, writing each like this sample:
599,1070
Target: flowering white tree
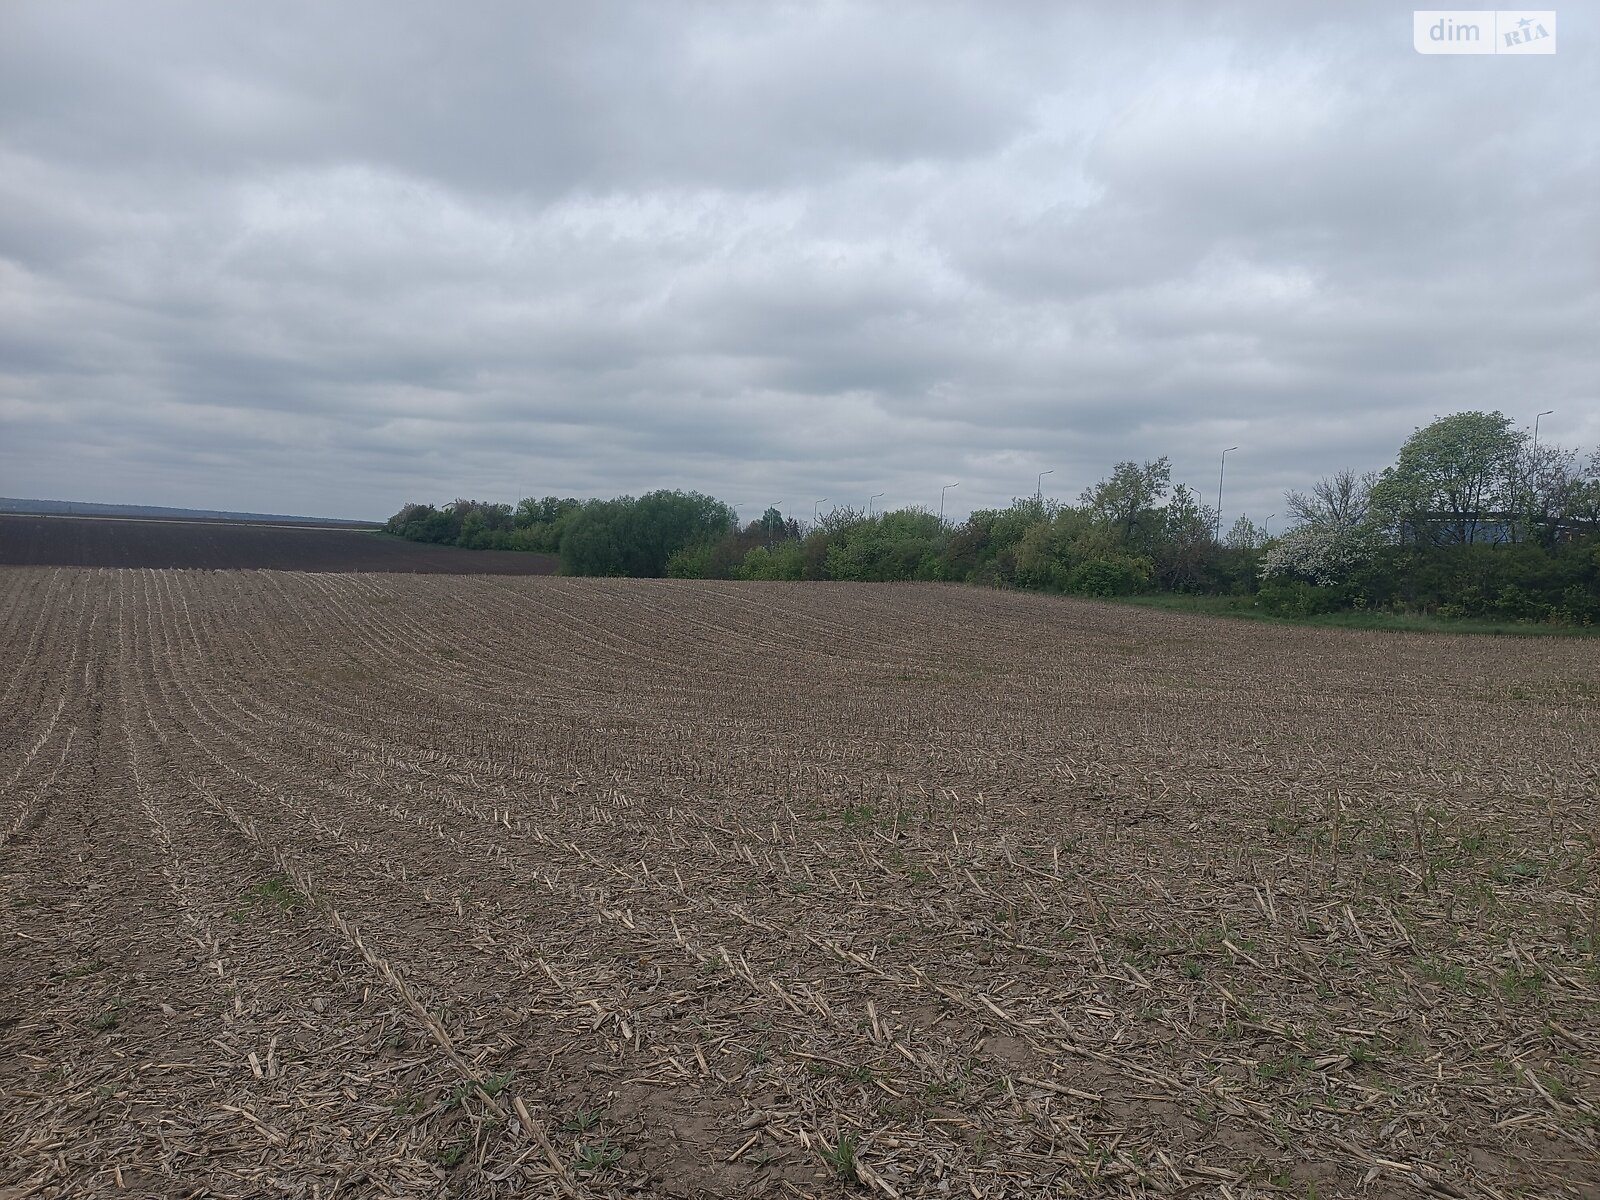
1323,554
1336,535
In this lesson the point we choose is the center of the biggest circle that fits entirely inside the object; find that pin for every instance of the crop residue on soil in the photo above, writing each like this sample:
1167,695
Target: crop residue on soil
368,884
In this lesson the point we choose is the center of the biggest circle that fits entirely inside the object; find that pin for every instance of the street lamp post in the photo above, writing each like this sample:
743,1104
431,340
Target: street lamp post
942,491
1266,528
815,506
1038,486
870,499
1533,464
1220,473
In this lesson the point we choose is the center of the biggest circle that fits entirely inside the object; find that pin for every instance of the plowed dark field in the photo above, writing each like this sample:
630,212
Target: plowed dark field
322,885
27,540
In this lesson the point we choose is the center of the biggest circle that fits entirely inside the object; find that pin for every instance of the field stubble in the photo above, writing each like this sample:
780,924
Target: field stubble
319,883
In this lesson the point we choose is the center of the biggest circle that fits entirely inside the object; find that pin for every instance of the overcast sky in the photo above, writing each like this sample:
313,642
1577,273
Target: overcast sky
325,258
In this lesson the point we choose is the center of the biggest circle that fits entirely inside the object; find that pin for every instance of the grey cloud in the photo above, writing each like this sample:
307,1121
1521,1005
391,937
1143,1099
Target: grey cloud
331,257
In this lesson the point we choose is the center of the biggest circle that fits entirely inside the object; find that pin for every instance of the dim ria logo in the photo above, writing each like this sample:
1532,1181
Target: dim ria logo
1483,31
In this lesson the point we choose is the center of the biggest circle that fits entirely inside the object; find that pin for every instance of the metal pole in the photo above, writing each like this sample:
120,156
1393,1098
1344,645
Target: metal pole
1266,529
1038,486
870,499
1533,465
1220,474
942,491
814,507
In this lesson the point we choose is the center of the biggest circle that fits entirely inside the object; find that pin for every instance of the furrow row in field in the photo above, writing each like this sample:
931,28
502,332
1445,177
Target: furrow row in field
1279,1032
342,888
32,621
464,674
986,1010
47,708
145,1101
620,885
217,735
445,1082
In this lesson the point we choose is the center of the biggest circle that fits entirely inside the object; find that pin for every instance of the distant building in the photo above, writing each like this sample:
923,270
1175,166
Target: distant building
1479,528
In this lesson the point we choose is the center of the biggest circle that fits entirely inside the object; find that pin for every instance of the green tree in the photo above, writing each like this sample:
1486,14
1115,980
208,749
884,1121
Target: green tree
1128,502
1184,543
1051,549
637,537
594,541
411,521
774,528
1245,535
983,548
896,545
544,511
1451,477
1581,506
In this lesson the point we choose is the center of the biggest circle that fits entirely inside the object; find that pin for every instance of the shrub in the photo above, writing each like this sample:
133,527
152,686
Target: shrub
1297,598
783,561
637,537
692,562
1111,575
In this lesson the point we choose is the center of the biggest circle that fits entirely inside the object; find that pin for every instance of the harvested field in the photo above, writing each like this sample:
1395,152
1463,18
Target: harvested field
318,884
54,541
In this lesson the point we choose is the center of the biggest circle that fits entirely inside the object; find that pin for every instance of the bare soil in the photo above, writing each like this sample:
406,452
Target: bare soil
59,541
379,885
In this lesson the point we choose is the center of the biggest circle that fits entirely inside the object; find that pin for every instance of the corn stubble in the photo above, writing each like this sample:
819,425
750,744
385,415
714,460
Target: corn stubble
321,884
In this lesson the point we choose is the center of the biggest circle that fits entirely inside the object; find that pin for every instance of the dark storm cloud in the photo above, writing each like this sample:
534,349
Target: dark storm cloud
329,257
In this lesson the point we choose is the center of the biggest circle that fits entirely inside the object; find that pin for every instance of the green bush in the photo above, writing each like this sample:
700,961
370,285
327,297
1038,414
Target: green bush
692,562
637,537
1110,575
1578,605
783,561
1297,598
1517,604
1133,531
896,545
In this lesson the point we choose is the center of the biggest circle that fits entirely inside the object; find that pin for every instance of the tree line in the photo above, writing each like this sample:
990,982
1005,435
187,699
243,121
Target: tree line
1470,520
